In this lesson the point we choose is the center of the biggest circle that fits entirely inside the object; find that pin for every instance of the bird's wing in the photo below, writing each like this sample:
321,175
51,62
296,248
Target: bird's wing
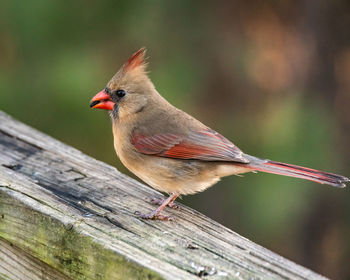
206,145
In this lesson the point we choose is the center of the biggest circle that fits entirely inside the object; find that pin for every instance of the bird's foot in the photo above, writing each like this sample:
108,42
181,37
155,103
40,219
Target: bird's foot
154,216
159,201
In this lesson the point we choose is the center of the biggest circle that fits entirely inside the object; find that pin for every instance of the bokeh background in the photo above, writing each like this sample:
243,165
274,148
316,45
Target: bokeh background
272,76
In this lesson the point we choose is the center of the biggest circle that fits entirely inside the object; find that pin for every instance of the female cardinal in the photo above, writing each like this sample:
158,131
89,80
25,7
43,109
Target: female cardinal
172,151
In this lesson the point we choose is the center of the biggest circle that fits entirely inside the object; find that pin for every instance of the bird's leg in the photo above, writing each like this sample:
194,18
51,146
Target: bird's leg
160,201
155,215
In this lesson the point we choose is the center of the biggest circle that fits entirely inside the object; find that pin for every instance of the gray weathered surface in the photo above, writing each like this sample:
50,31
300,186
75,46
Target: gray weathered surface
76,214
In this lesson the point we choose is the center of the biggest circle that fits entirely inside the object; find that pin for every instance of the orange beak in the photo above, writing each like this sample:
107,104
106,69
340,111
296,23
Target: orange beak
102,101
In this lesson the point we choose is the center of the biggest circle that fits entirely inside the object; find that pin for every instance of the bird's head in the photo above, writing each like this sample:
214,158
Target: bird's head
128,91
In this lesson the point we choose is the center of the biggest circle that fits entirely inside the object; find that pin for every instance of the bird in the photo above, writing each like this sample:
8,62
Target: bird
172,151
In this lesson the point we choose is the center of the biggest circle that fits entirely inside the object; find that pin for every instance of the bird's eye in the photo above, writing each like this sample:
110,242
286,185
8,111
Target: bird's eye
120,93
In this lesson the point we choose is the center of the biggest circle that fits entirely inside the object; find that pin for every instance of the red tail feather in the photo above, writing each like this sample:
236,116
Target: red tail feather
291,170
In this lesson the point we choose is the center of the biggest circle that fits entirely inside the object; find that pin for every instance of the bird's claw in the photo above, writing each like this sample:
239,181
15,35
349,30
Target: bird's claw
154,216
159,201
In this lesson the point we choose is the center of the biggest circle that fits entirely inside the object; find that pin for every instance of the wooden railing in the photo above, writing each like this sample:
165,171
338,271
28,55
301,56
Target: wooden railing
65,215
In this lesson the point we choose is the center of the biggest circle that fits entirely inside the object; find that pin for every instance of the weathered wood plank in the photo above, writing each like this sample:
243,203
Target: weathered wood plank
17,264
76,215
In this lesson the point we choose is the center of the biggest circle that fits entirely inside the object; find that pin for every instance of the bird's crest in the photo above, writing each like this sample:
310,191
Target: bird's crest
136,61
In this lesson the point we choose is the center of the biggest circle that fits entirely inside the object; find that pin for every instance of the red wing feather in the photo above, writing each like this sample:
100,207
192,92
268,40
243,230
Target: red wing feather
203,145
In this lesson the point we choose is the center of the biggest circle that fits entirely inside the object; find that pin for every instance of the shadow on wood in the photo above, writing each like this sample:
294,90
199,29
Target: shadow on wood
64,215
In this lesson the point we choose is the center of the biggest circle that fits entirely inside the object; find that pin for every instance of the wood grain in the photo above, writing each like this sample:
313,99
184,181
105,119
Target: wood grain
77,216
17,264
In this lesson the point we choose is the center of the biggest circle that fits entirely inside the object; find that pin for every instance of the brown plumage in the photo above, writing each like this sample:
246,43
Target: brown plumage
172,151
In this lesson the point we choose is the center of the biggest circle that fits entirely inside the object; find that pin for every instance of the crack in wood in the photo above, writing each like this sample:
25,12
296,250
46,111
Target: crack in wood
116,223
25,194
13,167
9,142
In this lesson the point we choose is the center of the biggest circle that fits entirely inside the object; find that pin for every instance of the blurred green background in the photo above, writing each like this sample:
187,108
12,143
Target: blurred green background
272,76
